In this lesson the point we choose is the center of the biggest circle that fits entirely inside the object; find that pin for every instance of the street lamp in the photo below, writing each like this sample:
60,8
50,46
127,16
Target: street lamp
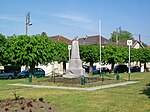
129,43
28,22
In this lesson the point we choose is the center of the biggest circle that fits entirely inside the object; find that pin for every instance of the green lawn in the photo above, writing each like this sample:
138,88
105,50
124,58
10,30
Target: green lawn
129,98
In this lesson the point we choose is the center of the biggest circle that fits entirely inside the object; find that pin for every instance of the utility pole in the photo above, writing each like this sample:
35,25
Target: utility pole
139,37
116,35
28,22
118,30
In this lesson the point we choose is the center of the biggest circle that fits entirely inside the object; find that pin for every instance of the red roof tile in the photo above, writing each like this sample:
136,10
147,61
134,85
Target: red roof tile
61,39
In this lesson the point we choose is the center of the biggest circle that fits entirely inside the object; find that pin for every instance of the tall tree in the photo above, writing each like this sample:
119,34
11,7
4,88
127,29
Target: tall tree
121,36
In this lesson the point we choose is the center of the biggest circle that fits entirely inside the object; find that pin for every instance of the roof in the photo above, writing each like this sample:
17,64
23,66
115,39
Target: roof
93,40
60,38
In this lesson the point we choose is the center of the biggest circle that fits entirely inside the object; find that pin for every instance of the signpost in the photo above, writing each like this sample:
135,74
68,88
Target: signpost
129,43
69,48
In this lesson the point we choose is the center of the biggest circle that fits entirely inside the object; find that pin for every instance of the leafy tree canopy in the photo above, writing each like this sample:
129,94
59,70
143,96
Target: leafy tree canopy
89,54
61,54
28,50
114,54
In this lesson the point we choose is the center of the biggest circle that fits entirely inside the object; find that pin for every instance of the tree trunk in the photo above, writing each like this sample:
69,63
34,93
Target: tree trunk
145,67
32,68
64,66
91,67
112,66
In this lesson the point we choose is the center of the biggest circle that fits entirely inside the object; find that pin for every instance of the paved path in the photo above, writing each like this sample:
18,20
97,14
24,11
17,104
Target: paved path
77,88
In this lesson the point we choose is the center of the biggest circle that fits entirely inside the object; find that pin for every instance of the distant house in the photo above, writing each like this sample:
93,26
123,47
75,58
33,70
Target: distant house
93,40
136,44
60,38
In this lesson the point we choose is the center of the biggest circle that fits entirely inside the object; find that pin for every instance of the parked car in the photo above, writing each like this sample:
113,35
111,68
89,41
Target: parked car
120,69
38,72
135,69
103,70
4,74
12,69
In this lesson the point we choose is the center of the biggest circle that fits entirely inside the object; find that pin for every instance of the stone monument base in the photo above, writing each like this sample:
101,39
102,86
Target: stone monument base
74,73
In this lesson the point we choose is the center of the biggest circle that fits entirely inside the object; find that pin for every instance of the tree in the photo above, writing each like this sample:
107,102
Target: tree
43,34
89,54
114,54
121,36
61,54
28,50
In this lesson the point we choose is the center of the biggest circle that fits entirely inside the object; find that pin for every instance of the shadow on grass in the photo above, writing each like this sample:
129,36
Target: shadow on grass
147,90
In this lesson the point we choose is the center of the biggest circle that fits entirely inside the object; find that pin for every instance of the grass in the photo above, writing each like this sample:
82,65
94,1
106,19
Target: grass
4,84
129,98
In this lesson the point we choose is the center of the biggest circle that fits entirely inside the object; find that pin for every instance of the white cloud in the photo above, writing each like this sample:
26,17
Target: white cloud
12,18
77,20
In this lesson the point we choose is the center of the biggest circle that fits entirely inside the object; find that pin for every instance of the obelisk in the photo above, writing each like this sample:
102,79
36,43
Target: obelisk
75,69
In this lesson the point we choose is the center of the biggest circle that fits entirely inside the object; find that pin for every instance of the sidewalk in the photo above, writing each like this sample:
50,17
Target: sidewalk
77,88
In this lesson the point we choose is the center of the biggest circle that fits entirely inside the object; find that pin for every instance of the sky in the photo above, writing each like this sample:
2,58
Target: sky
71,18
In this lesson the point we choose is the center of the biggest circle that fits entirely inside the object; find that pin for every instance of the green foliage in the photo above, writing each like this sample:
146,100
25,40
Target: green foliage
114,54
134,55
61,52
28,50
2,39
89,54
43,34
122,36
143,55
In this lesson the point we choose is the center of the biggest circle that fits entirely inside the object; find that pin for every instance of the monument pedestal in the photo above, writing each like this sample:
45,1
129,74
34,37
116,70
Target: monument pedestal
75,69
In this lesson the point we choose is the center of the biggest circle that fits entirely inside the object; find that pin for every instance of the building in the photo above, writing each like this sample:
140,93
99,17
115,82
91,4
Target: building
93,40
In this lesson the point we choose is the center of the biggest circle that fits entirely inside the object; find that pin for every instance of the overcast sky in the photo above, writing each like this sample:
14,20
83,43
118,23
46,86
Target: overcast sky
71,18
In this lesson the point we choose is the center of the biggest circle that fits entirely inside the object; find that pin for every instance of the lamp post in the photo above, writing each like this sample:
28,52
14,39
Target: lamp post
28,22
129,43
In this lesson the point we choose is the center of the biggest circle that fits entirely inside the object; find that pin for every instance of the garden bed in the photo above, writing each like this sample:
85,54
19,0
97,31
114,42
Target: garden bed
87,80
26,105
